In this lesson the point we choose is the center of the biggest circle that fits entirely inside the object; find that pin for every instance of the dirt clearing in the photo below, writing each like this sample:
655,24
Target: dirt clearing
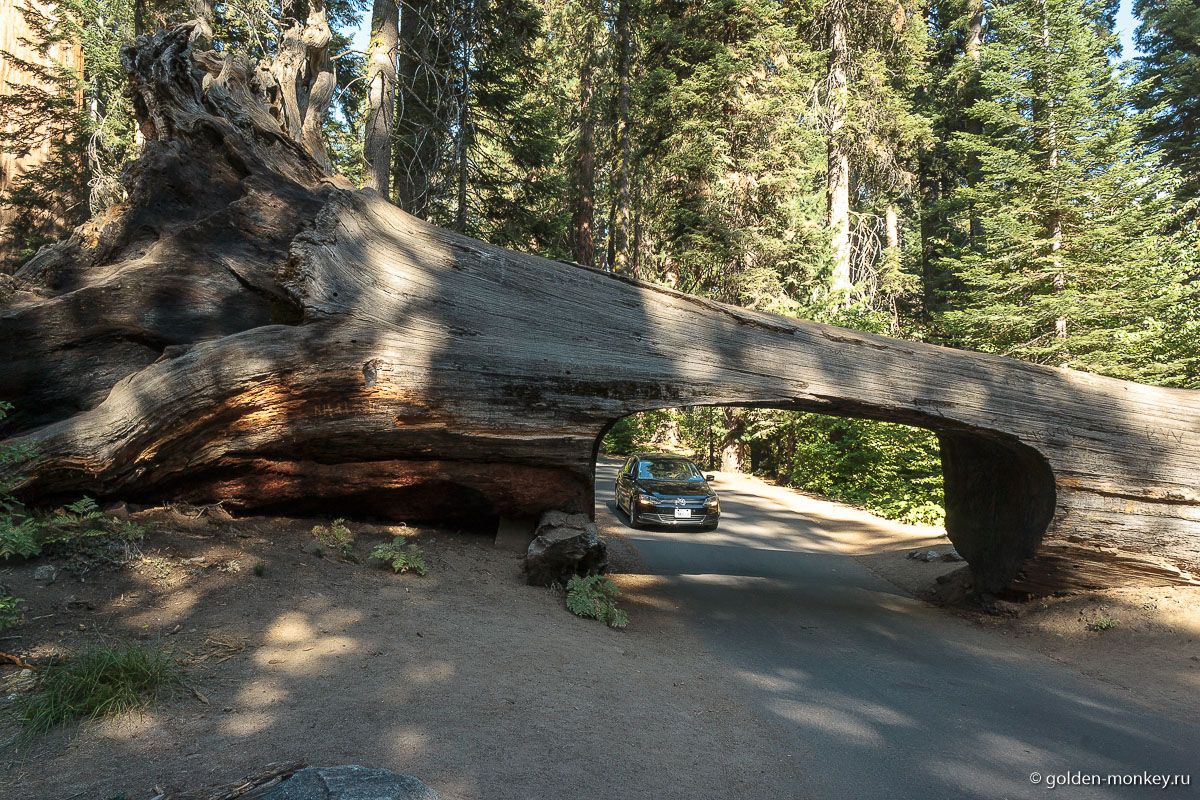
477,684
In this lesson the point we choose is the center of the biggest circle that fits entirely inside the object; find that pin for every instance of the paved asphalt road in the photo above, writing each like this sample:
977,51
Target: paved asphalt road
882,696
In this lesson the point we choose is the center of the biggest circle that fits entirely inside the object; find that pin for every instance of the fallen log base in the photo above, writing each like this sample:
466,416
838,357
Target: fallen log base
1059,567
248,329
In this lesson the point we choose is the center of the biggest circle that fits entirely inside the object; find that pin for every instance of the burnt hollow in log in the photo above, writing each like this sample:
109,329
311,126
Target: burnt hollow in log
250,330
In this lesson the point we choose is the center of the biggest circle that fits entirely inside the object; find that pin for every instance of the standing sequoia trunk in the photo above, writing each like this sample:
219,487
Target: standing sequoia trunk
248,329
381,95
584,218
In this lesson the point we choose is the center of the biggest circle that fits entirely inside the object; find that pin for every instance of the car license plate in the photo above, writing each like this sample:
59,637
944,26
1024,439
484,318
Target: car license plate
683,513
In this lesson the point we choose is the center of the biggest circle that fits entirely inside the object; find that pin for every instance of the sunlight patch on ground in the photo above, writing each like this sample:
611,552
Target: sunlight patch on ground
830,721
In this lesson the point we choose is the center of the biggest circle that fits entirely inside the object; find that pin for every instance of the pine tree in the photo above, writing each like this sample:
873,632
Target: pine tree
1067,267
728,155
1169,38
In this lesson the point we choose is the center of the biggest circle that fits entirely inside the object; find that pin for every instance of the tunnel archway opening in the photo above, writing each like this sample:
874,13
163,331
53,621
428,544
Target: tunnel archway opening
995,495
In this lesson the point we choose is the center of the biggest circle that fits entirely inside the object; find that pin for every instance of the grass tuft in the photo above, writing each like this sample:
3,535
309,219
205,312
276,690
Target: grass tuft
103,680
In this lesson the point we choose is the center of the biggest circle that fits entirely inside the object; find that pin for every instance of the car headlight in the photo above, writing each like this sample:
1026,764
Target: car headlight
712,504
647,499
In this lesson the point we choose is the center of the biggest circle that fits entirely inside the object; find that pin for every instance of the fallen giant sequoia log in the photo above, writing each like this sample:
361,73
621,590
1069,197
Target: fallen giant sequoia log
248,329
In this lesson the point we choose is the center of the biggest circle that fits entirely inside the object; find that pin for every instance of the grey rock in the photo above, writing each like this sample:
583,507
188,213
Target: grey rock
566,545
46,573
951,555
349,782
561,519
315,547
924,555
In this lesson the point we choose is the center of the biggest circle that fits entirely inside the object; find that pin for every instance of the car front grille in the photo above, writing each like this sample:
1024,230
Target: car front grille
665,515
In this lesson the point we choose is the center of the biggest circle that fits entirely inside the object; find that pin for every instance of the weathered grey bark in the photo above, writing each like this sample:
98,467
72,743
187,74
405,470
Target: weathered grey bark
303,73
249,330
381,96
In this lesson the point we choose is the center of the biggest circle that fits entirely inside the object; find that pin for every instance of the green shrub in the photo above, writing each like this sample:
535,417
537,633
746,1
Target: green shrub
336,536
102,680
1103,623
594,597
400,555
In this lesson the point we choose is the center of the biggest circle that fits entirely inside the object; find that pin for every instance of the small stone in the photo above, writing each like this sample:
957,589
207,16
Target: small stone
46,573
951,555
315,547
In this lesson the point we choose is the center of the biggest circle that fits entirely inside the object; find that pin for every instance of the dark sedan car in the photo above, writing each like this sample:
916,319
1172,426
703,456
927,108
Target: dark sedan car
658,489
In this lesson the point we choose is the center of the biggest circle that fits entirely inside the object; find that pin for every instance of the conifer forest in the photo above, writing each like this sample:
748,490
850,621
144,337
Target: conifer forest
1001,177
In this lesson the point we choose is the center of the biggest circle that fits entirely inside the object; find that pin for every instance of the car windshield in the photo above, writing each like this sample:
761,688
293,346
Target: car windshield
669,469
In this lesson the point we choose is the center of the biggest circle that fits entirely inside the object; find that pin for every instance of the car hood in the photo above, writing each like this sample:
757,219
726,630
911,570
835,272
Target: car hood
676,488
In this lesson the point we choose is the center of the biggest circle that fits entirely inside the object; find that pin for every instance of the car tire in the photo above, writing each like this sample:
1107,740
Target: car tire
631,512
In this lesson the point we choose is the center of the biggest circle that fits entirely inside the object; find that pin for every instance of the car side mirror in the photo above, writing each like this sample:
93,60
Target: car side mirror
710,477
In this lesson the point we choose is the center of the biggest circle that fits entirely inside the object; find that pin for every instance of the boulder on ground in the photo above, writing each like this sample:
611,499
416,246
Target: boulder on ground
565,545
349,782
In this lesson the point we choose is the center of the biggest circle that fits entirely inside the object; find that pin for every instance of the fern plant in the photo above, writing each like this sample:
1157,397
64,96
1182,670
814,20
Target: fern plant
400,555
10,614
594,597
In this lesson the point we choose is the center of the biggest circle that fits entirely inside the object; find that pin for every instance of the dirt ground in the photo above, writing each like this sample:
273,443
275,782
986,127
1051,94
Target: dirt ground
477,684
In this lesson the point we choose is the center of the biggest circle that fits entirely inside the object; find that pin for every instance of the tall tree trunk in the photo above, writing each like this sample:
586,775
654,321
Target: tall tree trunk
891,224
463,121
423,69
974,45
931,231
622,218
783,475
381,95
1052,221
733,449
584,218
837,185
974,51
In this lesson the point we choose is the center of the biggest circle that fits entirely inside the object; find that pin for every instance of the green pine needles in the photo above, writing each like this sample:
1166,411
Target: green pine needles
594,597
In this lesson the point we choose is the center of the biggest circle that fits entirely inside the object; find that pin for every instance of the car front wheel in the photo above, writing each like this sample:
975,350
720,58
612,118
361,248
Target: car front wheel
632,512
